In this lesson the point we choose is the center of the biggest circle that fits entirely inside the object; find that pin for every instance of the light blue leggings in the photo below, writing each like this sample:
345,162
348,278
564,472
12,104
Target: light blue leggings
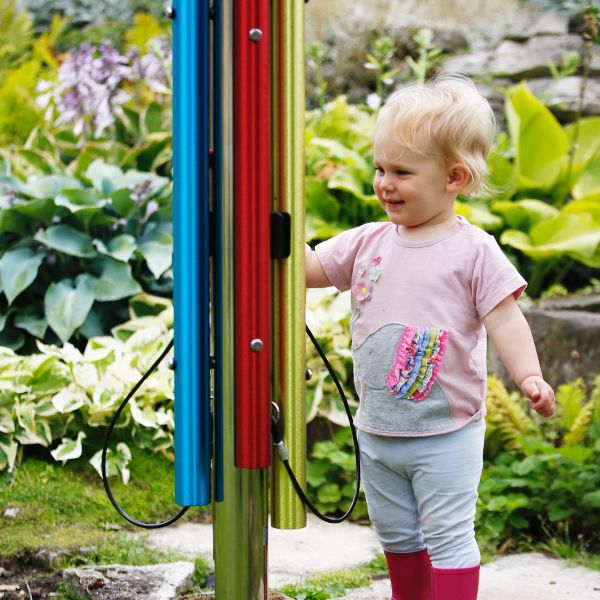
421,492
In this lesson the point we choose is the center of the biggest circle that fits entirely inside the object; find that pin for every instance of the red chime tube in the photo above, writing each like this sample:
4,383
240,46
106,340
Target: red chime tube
252,208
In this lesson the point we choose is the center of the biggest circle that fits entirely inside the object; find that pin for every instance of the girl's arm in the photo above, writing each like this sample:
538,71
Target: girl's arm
315,275
510,333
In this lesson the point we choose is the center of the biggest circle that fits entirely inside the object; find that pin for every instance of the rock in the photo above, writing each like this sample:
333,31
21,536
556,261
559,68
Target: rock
567,345
548,23
530,59
118,582
521,60
562,96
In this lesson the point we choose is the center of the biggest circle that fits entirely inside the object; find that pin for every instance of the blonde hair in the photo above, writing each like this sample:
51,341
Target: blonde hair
446,113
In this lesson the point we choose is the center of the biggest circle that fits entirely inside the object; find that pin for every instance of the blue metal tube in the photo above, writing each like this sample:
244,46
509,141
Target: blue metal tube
191,251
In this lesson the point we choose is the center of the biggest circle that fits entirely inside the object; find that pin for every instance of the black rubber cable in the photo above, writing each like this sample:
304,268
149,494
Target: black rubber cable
277,441
109,433
282,452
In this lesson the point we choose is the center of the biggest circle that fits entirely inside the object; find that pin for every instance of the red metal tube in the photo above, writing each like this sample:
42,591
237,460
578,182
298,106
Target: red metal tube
252,208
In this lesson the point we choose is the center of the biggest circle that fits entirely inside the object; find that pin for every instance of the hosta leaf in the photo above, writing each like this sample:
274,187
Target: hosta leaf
18,270
43,209
115,281
104,177
116,462
82,203
8,455
589,180
49,186
7,424
329,493
576,235
69,449
592,499
67,306
120,247
68,240
29,320
523,214
156,247
540,143
69,399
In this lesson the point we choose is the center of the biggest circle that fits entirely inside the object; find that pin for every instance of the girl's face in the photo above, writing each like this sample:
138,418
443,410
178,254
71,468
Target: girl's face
414,189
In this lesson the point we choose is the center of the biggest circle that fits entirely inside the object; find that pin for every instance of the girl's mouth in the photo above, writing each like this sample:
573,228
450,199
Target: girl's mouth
394,202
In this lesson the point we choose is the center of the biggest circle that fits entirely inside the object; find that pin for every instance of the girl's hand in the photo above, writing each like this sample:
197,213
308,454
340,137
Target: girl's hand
540,394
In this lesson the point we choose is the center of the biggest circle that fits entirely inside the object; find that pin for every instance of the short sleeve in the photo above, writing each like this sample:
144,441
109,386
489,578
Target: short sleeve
494,277
338,254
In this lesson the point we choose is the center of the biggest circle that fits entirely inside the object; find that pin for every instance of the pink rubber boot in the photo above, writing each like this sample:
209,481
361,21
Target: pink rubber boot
455,584
410,575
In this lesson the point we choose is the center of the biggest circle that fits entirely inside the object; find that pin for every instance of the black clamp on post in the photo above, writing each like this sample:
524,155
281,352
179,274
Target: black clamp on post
281,235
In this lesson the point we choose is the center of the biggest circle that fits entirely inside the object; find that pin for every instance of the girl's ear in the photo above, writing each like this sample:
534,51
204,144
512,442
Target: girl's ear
458,177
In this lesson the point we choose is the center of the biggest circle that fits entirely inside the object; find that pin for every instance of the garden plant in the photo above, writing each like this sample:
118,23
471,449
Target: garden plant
86,280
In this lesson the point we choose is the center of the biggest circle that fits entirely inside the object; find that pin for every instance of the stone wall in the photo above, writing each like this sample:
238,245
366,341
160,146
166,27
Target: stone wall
502,42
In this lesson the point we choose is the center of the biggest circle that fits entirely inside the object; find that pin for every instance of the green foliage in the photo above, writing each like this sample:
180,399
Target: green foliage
16,34
331,585
379,60
541,476
61,399
427,53
73,250
331,475
66,508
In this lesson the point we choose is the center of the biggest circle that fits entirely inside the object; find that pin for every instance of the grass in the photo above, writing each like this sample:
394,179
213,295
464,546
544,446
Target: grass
65,507
334,584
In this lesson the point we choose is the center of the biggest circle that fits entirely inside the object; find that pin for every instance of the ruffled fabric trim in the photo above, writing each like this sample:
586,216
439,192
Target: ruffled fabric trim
418,359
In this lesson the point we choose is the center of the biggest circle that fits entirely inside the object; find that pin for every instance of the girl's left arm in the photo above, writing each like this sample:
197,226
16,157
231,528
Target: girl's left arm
512,338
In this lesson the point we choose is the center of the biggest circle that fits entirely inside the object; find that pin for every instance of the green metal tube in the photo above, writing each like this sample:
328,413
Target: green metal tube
289,285
241,519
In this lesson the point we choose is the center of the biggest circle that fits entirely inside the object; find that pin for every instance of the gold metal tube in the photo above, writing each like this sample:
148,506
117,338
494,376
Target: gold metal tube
289,285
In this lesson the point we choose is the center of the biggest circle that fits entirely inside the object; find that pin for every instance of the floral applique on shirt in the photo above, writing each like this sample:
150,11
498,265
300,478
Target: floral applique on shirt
363,287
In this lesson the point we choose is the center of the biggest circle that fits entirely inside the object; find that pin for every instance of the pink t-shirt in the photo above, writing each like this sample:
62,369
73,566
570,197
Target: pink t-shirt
418,340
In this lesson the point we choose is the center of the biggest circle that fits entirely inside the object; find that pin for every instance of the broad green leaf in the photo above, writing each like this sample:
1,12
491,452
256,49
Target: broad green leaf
28,319
319,201
69,449
588,142
105,178
8,455
329,493
153,118
69,399
82,203
502,176
588,204
66,305
592,499
589,180
68,240
348,179
123,204
50,186
540,144
12,221
116,462
115,281
18,270
120,247
522,214
7,424
43,209
575,235
156,246
479,214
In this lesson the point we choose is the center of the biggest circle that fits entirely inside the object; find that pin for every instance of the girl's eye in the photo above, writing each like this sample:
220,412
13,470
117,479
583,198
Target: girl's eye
379,170
400,172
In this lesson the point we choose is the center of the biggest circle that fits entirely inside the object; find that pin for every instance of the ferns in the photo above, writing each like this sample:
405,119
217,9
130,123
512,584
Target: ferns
510,420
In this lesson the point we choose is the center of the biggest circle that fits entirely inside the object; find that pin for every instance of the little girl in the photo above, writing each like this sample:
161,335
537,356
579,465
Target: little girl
427,286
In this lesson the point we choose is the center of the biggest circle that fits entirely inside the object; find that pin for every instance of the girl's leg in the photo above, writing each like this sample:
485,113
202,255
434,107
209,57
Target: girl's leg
393,512
445,480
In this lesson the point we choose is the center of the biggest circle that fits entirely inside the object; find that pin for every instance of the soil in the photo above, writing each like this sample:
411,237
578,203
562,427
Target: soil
19,579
